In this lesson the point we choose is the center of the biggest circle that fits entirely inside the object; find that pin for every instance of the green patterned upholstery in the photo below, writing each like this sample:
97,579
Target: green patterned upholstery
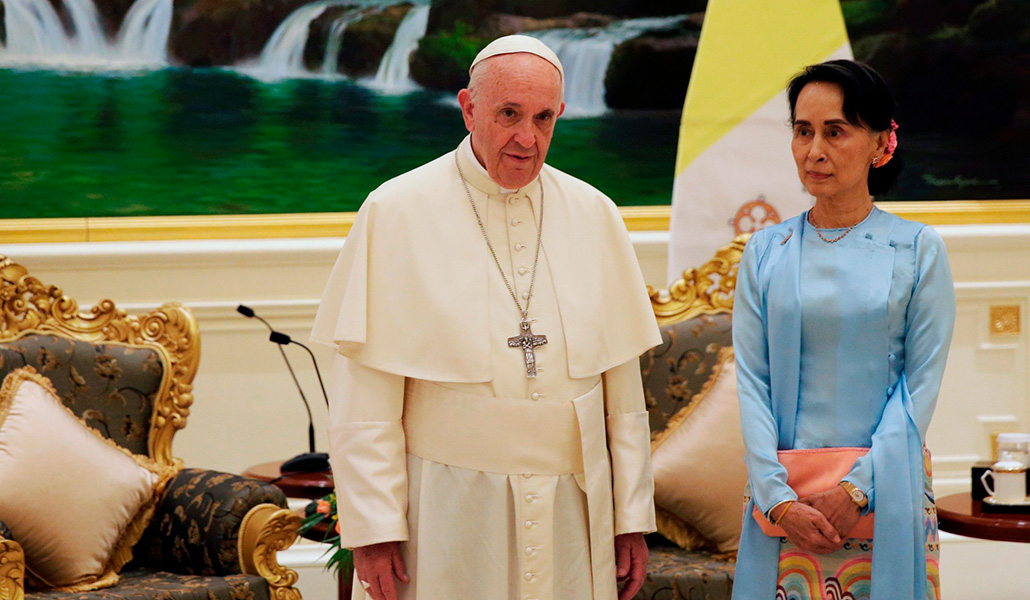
673,374
674,574
109,386
155,585
197,524
189,550
675,371
130,377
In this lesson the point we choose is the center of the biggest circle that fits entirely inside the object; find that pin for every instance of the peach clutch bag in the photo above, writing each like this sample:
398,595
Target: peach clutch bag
813,471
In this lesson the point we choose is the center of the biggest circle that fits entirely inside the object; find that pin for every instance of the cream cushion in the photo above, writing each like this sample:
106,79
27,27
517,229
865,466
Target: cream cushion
75,501
699,465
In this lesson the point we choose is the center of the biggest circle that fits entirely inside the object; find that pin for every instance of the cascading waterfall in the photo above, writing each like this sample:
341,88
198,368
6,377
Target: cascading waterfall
394,70
35,34
283,55
33,28
331,61
585,55
89,37
144,33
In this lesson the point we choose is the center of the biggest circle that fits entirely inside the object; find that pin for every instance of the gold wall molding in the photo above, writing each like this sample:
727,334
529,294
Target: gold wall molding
306,225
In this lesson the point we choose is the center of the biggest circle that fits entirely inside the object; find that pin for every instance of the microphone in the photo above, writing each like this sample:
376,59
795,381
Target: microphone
282,339
310,461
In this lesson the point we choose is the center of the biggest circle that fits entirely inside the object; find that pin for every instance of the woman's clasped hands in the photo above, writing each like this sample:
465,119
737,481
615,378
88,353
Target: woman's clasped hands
820,522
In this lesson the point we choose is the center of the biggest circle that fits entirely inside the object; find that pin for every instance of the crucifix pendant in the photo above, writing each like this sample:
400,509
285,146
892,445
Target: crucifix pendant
527,342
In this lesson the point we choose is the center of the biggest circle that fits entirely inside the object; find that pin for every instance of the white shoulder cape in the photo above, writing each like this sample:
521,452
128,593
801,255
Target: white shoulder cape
408,293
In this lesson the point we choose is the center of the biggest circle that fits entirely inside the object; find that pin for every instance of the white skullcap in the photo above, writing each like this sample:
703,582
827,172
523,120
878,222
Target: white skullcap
513,44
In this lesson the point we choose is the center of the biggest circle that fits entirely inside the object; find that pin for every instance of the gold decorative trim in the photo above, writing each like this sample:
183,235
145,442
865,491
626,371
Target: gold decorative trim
707,289
301,225
12,570
1005,320
28,306
266,530
679,532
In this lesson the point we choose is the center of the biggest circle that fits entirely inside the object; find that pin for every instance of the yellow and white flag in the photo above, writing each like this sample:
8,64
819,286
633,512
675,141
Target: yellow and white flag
734,168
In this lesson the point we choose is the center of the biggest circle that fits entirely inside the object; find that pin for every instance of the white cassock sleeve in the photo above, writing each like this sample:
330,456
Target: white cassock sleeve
629,441
367,453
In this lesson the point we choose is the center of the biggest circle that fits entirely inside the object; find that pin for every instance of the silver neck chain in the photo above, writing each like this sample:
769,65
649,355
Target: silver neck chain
536,256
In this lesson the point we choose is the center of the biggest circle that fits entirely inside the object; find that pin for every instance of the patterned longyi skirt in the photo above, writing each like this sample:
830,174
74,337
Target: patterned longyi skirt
847,573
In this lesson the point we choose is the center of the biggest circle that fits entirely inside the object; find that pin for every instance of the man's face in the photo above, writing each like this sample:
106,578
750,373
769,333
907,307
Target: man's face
511,116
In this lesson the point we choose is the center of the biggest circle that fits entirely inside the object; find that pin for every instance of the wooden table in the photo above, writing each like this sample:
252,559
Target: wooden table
961,515
311,486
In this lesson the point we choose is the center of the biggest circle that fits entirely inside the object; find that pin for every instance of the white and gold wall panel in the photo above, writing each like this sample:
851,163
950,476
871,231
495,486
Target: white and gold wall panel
247,410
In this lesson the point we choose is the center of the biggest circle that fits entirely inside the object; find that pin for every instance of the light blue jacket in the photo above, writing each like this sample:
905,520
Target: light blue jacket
895,278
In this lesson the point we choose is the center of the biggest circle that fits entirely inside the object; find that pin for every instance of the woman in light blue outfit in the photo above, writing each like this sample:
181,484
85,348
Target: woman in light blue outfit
841,326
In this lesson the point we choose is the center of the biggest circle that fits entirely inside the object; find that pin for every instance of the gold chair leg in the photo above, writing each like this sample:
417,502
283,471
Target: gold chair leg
266,530
12,570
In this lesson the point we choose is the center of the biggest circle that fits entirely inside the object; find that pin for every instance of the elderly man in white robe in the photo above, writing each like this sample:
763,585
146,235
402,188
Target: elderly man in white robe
488,433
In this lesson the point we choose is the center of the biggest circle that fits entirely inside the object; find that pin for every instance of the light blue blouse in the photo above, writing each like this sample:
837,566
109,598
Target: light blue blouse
825,335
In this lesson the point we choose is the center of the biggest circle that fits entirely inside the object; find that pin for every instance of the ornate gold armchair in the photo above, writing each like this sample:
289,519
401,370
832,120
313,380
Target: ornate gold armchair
214,535
694,316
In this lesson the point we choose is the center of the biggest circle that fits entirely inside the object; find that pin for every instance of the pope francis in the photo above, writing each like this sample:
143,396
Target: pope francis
488,434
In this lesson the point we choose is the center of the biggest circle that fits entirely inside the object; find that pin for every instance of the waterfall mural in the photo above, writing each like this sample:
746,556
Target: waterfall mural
283,56
394,70
36,34
586,53
164,107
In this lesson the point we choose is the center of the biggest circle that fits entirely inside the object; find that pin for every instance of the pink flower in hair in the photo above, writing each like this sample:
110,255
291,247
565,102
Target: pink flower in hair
892,145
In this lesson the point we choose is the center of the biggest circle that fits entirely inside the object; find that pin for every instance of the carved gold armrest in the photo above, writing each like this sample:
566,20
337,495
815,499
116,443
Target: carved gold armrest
12,570
266,530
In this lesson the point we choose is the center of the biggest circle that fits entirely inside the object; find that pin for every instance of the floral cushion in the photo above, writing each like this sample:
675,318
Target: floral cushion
197,524
675,371
5,531
109,386
151,585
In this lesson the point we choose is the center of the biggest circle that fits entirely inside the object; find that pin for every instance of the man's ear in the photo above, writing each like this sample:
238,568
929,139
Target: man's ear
465,100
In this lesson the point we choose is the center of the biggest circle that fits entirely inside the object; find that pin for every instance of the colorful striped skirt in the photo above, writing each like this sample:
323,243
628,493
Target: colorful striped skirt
847,573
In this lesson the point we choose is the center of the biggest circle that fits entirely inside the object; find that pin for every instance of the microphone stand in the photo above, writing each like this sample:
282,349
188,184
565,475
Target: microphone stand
311,461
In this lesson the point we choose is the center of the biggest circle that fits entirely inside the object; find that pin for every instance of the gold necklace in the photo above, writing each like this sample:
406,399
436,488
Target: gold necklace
839,237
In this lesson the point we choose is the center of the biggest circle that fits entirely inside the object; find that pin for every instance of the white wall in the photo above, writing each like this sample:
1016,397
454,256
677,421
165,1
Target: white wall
247,410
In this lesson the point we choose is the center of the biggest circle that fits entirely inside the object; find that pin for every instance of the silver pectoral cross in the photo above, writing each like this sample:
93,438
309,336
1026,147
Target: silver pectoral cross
527,341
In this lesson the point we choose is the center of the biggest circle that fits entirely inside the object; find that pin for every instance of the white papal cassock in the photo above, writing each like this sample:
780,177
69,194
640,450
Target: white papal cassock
502,486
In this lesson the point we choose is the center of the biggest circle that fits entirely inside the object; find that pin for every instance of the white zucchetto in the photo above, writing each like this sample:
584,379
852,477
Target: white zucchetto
513,44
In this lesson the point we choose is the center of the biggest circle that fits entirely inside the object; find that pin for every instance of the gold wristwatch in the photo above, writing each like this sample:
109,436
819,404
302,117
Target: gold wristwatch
857,495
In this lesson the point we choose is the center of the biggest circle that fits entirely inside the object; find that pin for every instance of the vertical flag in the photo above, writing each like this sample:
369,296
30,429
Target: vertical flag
734,168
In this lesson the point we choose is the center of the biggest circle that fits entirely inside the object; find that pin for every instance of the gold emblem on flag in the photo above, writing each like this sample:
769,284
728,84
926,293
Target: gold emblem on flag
754,215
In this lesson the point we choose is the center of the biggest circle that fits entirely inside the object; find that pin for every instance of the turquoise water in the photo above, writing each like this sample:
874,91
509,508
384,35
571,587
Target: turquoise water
194,142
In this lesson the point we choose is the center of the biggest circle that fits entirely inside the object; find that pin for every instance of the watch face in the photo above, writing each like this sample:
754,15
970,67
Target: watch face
857,495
